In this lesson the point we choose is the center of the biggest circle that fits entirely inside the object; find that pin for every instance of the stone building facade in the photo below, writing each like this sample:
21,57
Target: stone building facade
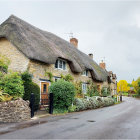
39,52
19,62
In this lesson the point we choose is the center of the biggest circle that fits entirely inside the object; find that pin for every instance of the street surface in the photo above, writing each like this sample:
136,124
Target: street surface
120,121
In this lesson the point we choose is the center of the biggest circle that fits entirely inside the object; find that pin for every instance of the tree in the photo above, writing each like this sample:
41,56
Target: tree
136,85
122,86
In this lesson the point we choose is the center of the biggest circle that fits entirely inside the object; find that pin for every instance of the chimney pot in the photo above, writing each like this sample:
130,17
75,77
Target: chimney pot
74,42
90,55
102,65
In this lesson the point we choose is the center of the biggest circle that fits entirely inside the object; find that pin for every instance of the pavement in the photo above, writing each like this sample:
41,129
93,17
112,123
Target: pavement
121,121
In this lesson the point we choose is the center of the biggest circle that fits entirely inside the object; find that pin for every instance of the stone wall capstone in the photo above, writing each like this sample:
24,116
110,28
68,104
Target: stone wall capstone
14,111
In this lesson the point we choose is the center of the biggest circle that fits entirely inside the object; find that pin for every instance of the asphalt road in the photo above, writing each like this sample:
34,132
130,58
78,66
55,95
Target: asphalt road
120,121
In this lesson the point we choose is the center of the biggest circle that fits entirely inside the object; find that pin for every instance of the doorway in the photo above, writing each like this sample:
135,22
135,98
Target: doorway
44,93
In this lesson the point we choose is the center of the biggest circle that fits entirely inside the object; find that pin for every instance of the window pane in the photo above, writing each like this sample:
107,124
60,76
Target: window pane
84,88
44,88
56,64
86,72
64,65
60,64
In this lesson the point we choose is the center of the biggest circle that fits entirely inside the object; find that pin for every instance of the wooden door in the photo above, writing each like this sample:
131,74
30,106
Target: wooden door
44,93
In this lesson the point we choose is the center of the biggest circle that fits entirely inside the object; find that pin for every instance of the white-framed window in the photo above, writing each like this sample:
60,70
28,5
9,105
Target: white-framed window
84,88
57,78
85,73
60,64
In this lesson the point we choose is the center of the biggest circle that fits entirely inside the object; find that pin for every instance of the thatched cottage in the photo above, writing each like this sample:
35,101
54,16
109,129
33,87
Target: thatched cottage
38,51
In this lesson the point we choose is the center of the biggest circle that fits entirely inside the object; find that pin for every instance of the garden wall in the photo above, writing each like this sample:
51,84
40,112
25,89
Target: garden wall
14,111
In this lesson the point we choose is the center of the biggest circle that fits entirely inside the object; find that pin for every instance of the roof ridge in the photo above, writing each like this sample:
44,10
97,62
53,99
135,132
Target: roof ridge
46,47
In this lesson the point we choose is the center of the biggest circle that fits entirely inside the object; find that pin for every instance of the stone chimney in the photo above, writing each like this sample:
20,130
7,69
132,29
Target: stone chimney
74,42
102,65
110,73
90,55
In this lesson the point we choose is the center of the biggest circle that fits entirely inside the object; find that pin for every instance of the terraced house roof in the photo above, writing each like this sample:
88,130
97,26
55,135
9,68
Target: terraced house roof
46,47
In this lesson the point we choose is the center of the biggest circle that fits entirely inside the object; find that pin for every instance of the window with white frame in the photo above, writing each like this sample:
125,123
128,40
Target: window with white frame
57,78
84,88
60,64
85,73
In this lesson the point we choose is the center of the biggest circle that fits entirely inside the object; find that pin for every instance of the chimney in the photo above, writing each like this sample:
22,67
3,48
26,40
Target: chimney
74,42
110,73
90,55
102,65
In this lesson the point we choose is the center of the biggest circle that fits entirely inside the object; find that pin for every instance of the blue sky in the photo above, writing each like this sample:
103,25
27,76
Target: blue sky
109,29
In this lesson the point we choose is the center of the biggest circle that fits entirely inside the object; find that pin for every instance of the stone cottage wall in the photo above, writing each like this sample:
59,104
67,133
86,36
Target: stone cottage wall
19,62
38,70
14,111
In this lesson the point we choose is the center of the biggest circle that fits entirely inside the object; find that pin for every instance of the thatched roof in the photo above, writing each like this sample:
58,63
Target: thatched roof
46,47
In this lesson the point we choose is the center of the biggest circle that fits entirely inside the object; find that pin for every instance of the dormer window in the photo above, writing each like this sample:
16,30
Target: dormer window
60,64
85,73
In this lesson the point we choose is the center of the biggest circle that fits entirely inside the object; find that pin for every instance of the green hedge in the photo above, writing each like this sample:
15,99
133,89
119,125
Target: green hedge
30,87
63,94
92,103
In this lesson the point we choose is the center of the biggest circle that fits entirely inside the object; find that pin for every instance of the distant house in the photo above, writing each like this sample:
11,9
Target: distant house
113,84
38,51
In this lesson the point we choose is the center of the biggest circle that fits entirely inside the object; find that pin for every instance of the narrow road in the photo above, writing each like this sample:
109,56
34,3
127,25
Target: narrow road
120,121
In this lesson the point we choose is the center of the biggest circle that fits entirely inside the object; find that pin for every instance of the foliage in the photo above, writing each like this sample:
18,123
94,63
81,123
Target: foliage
49,75
5,97
92,102
4,63
122,86
26,77
72,108
67,77
124,94
108,91
60,111
92,90
78,88
64,92
136,85
30,87
12,84
104,91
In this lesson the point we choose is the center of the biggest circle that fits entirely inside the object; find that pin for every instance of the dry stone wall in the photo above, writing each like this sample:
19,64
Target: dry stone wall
14,111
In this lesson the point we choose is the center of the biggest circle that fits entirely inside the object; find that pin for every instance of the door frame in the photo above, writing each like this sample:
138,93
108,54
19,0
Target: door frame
42,81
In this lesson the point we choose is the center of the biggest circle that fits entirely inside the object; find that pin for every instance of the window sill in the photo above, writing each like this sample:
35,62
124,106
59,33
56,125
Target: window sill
59,69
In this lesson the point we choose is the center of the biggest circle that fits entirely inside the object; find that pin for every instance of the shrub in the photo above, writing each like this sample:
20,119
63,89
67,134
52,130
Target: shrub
4,62
108,101
79,104
60,111
72,108
63,94
26,77
78,88
12,84
5,97
92,103
30,87
92,90
67,77
49,75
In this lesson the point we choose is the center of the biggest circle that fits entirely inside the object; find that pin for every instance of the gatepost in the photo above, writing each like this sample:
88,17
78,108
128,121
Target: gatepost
51,103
